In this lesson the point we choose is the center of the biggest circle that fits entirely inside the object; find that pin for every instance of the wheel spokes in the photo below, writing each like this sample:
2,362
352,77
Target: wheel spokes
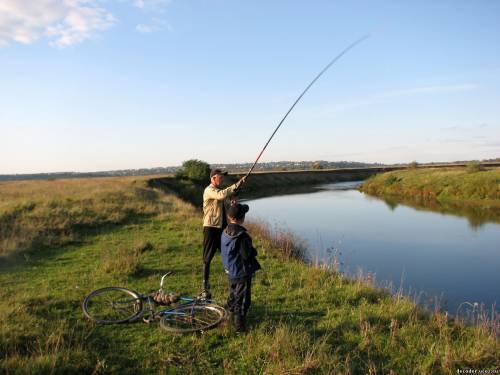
112,305
191,318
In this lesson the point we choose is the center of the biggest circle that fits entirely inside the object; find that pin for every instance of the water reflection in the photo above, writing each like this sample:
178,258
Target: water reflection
476,216
432,253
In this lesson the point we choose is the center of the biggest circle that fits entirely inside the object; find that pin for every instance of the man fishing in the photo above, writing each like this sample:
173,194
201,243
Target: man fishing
215,203
215,199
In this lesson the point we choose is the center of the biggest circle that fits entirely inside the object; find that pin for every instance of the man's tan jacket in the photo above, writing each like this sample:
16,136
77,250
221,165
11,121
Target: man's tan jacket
213,199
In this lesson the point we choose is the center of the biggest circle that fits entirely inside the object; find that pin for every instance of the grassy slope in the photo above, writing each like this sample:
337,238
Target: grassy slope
53,212
449,185
303,319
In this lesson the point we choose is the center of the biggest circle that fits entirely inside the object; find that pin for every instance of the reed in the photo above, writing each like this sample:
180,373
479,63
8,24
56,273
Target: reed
284,241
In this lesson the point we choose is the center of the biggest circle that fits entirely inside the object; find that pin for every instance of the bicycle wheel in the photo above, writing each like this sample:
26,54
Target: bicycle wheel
222,310
112,305
192,318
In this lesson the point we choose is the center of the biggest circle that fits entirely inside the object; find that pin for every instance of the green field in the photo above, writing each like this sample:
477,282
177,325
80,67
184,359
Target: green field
478,188
61,239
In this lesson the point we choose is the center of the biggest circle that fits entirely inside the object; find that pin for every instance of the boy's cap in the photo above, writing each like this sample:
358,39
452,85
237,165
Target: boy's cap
215,172
238,211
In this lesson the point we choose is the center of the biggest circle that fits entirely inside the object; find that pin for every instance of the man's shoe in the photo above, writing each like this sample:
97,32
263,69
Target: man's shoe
240,323
206,285
205,294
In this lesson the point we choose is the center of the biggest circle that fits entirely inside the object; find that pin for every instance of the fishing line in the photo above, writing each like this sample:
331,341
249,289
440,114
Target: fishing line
352,45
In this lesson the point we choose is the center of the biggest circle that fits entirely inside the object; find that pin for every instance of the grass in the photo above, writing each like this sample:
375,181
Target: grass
469,186
55,212
303,319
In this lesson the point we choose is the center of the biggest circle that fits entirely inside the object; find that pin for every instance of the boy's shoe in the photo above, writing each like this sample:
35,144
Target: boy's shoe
229,320
240,323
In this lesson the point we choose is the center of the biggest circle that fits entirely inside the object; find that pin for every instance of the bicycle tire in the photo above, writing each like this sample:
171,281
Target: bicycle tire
221,309
192,318
113,305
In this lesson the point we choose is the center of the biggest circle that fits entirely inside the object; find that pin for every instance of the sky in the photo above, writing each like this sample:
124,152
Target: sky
91,85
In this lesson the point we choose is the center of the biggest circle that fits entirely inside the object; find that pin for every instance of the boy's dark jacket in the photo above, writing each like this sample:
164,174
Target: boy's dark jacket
238,254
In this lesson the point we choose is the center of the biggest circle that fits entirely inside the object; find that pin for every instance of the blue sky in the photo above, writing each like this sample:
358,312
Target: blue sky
90,85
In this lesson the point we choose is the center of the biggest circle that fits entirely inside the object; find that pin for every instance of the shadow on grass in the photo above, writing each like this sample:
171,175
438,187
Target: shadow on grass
43,253
272,315
188,190
192,191
175,272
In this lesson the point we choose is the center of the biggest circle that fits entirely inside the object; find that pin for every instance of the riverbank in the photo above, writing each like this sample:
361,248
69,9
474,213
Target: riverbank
268,183
303,319
459,186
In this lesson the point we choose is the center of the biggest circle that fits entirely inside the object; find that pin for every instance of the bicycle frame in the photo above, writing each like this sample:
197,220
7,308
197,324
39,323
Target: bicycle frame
180,314
171,310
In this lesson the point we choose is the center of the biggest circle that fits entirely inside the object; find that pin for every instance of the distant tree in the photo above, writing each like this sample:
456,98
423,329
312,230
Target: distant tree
316,165
413,165
194,169
474,166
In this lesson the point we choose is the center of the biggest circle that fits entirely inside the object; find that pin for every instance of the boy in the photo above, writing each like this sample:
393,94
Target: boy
238,258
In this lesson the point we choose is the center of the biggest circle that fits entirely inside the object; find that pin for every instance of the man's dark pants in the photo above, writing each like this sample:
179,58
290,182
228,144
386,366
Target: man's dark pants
211,243
240,295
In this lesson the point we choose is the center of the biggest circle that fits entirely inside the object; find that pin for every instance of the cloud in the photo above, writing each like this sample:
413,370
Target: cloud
67,22
492,144
386,96
427,90
155,25
476,143
156,7
468,129
364,153
451,128
151,4
144,28
62,22
139,3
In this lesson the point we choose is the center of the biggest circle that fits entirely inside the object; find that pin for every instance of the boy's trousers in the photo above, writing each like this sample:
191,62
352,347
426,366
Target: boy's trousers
240,295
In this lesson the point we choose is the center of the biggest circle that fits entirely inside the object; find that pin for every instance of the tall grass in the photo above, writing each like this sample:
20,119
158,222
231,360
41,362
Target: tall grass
288,245
45,213
471,186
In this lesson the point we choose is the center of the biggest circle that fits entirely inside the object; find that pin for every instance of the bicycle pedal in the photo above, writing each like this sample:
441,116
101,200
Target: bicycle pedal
205,295
150,319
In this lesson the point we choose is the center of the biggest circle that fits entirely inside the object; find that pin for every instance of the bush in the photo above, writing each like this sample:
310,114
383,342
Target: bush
124,261
316,165
474,166
413,165
194,169
142,246
391,180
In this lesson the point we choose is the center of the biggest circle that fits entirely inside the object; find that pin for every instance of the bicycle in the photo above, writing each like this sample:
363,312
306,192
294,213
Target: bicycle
117,305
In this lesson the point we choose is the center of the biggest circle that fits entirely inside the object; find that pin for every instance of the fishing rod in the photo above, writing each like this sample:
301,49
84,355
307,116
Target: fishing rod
352,45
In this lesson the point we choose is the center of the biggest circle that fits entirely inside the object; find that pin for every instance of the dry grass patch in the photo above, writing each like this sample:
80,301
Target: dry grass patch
39,213
124,261
289,244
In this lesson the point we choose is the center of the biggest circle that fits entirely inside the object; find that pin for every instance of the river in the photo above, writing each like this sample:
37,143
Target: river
435,258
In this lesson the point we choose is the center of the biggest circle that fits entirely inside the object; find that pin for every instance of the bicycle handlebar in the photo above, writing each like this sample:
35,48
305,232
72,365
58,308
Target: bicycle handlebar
163,277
